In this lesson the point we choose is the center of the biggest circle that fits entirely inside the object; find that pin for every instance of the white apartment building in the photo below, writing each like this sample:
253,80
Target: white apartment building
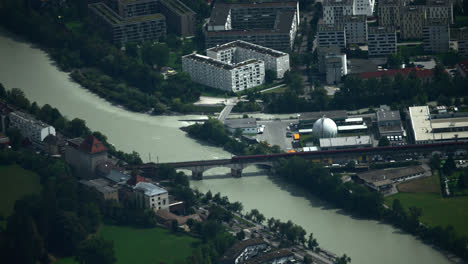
152,196
436,36
364,7
356,29
238,51
29,127
412,21
335,67
440,9
334,11
222,75
331,35
382,41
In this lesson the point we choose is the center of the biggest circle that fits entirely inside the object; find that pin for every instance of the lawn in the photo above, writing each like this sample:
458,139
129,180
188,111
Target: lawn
437,210
147,246
277,90
16,183
421,185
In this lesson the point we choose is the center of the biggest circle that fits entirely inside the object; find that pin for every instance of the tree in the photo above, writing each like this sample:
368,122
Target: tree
155,54
435,162
449,166
312,242
96,251
2,91
343,260
383,141
16,139
174,226
463,180
131,48
77,128
240,235
270,76
16,96
67,233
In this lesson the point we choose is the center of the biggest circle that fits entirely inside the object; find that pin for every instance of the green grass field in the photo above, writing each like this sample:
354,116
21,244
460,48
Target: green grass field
16,183
147,246
437,210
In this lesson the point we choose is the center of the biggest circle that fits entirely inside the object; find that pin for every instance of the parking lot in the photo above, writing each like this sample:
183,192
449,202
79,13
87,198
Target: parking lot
275,133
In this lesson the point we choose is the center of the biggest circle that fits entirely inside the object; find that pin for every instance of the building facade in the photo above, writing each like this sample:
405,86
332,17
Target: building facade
331,35
413,18
364,7
356,29
436,36
382,41
151,196
389,13
103,187
440,9
221,75
461,35
334,11
238,51
35,130
180,19
247,125
336,67
85,155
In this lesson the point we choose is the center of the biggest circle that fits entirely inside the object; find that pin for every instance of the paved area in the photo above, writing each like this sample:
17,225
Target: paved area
230,103
207,100
365,65
275,133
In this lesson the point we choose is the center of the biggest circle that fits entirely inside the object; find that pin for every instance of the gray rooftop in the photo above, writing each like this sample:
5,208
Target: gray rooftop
250,46
355,18
101,185
383,116
217,63
337,2
117,176
240,123
337,114
389,174
345,141
149,189
322,27
381,30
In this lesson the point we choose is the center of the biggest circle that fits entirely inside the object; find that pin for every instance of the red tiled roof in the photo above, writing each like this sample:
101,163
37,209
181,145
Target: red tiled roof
464,66
420,73
134,180
92,145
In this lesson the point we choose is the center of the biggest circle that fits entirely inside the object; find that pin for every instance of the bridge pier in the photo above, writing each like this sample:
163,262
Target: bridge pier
236,173
197,175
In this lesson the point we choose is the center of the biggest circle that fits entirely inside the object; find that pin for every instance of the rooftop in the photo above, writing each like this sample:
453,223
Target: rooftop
115,19
376,176
335,115
178,6
271,256
437,3
322,27
420,73
101,185
389,2
388,116
220,64
149,189
381,30
92,145
28,118
117,176
240,123
337,2
237,248
250,46
356,18
345,141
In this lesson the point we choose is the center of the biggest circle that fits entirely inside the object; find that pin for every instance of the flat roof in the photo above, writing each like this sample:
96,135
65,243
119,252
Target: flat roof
178,6
337,2
356,18
250,46
118,176
29,118
389,174
217,63
336,114
149,189
382,30
354,119
345,141
240,123
423,125
101,185
351,127
388,116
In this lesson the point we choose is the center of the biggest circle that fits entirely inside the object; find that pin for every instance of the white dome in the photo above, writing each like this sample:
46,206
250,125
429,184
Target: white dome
324,128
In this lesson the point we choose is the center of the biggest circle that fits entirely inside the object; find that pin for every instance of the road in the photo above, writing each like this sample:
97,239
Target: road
275,133
230,103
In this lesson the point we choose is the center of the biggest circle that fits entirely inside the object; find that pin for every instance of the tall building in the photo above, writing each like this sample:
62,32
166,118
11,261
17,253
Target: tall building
152,196
331,35
436,36
85,155
413,19
382,41
238,51
269,24
389,13
36,131
364,7
356,29
440,9
180,19
334,11
222,75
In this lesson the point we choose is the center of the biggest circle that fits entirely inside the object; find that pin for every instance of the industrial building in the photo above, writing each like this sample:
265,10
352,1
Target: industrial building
389,124
345,142
247,125
154,197
356,29
331,35
383,180
34,130
382,41
222,75
269,24
436,36
334,11
103,187
412,21
324,128
238,51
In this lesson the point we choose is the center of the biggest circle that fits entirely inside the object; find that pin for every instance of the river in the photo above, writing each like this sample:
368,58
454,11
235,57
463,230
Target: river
159,137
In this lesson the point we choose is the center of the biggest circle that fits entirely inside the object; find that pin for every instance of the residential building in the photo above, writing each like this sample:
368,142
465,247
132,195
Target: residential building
364,7
333,35
222,75
412,21
85,155
389,124
133,8
462,68
345,142
269,24
430,128
436,36
383,180
462,39
103,187
334,11
336,67
151,196
440,9
180,19
276,256
131,29
243,251
247,125
356,29
423,74
382,41
238,51
36,131
389,13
